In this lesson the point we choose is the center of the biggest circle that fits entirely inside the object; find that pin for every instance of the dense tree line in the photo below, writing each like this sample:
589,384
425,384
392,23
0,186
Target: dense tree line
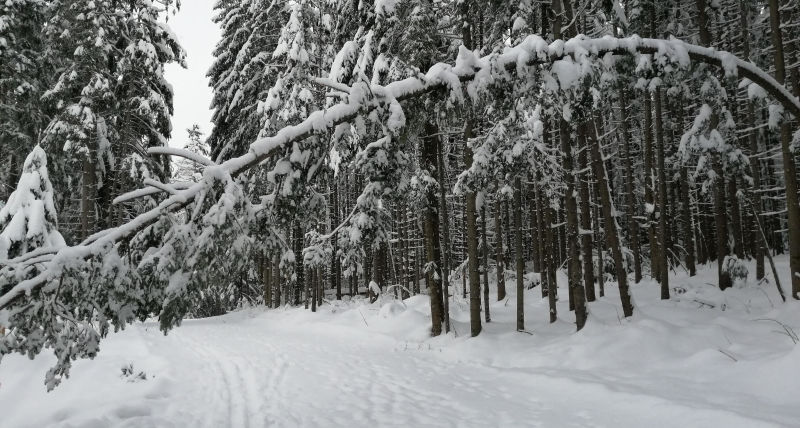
347,158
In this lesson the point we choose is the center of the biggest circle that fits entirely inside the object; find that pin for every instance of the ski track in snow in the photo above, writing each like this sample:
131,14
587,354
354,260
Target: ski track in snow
290,376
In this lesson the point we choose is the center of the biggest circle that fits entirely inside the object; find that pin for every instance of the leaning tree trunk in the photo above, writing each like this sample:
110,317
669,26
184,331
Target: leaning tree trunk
610,222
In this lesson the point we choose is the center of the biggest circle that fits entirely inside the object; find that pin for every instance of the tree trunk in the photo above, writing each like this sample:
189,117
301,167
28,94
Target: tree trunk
543,245
266,278
736,217
571,211
550,252
688,225
789,168
88,188
433,273
498,250
336,267
630,196
314,280
720,222
601,280
611,227
446,237
759,247
518,254
649,197
663,260
276,279
299,284
472,242
535,233
485,267
586,218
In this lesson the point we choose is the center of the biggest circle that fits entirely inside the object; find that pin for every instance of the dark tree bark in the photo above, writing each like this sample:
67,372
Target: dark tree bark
485,266
433,273
518,254
571,210
688,225
552,264
445,237
649,197
736,218
662,260
789,168
498,250
611,227
586,232
276,279
630,196
471,225
299,283
336,267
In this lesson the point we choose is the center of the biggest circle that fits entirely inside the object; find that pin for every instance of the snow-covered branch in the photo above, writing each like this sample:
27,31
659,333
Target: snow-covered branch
172,151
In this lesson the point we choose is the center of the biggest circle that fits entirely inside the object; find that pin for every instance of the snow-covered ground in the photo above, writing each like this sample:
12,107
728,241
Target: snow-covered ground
705,358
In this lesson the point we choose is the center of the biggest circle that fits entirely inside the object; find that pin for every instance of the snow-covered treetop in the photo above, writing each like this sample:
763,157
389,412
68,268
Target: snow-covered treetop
29,220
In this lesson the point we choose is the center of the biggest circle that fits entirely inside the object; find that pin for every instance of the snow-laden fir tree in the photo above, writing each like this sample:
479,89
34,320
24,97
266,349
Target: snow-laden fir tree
28,221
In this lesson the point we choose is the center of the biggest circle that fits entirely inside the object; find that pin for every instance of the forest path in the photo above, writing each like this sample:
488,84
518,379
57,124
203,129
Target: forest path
256,372
375,365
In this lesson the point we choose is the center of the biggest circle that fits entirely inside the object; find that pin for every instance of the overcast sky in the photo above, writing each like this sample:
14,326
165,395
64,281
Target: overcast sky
198,36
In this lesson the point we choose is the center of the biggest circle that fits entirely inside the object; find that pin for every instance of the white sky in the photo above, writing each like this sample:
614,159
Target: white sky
198,36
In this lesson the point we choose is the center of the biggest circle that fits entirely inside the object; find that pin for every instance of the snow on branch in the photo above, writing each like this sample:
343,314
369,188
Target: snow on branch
469,68
147,191
172,151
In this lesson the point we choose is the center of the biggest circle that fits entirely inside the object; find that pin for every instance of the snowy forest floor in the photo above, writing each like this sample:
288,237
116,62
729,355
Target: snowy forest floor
704,358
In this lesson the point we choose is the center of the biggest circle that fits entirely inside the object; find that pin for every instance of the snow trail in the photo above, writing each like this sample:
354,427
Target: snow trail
362,365
257,372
